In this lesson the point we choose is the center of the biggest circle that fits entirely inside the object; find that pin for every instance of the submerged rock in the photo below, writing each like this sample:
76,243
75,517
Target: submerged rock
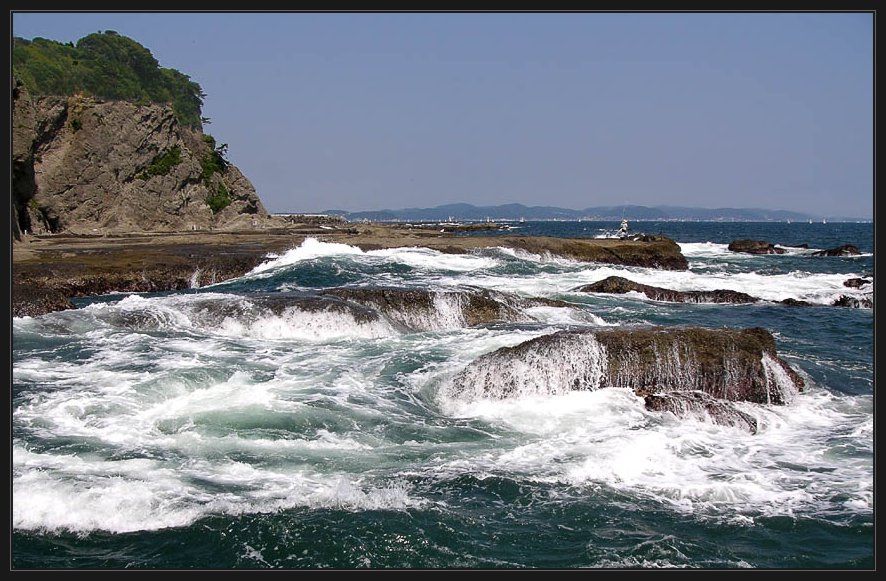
864,302
700,405
856,282
796,302
754,247
620,285
844,250
392,309
729,364
421,309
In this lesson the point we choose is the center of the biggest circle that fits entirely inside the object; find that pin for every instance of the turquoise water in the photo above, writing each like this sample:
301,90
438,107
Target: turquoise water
197,430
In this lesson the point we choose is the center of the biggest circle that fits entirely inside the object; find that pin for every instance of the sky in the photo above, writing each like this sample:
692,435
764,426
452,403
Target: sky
371,111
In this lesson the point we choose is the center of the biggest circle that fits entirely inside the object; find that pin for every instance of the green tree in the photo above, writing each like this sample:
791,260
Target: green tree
106,65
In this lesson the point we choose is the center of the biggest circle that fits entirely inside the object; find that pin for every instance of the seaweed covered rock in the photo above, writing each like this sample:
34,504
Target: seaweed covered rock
30,300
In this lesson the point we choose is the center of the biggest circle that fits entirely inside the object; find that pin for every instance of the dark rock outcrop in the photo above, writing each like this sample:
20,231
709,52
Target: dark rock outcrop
728,364
701,406
620,285
421,309
754,247
796,303
424,309
30,300
98,265
85,165
856,282
844,250
650,252
865,302
397,309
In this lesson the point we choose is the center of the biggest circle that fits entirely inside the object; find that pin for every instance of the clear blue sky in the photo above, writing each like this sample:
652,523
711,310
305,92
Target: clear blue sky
372,111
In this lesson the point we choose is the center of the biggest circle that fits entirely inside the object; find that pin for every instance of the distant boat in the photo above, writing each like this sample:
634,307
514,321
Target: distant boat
810,220
823,221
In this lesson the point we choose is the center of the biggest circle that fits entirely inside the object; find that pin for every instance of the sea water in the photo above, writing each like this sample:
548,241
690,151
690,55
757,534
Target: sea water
150,431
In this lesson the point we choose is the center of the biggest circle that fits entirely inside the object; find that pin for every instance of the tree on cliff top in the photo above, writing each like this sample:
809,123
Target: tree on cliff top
106,65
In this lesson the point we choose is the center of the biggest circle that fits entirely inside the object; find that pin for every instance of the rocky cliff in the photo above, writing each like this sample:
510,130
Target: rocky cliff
83,165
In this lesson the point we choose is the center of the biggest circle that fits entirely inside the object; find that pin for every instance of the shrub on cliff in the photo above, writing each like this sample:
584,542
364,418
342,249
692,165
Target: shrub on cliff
219,200
214,161
162,163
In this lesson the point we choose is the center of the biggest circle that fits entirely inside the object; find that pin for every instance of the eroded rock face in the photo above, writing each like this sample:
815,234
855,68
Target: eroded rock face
754,247
620,285
728,364
83,165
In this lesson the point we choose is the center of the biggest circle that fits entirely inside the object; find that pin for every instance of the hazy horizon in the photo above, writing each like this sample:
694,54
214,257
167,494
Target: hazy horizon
814,216
375,111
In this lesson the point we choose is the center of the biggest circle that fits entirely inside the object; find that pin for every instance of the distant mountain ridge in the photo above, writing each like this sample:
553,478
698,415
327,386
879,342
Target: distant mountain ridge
470,212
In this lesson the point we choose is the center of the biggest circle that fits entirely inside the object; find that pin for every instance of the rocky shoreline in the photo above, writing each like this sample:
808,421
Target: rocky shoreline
49,270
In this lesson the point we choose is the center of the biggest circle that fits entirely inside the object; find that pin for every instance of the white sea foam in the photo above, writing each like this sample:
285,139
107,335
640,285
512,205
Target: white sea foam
421,258
608,437
68,493
152,412
575,362
693,250
190,447
566,316
428,259
815,288
310,248
294,323
246,319
543,258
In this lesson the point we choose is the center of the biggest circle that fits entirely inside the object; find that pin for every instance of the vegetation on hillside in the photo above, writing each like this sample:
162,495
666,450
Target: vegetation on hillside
218,200
106,65
214,161
162,163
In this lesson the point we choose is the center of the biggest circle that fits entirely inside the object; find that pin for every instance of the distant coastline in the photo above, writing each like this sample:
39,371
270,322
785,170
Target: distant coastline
516,212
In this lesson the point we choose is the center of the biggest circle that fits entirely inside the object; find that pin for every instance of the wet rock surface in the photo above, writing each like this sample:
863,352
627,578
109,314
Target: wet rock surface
621,285
844,250
727,364
701,406
86,265
754,247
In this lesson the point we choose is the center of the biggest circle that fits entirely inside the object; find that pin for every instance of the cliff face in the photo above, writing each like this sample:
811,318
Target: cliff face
86,166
